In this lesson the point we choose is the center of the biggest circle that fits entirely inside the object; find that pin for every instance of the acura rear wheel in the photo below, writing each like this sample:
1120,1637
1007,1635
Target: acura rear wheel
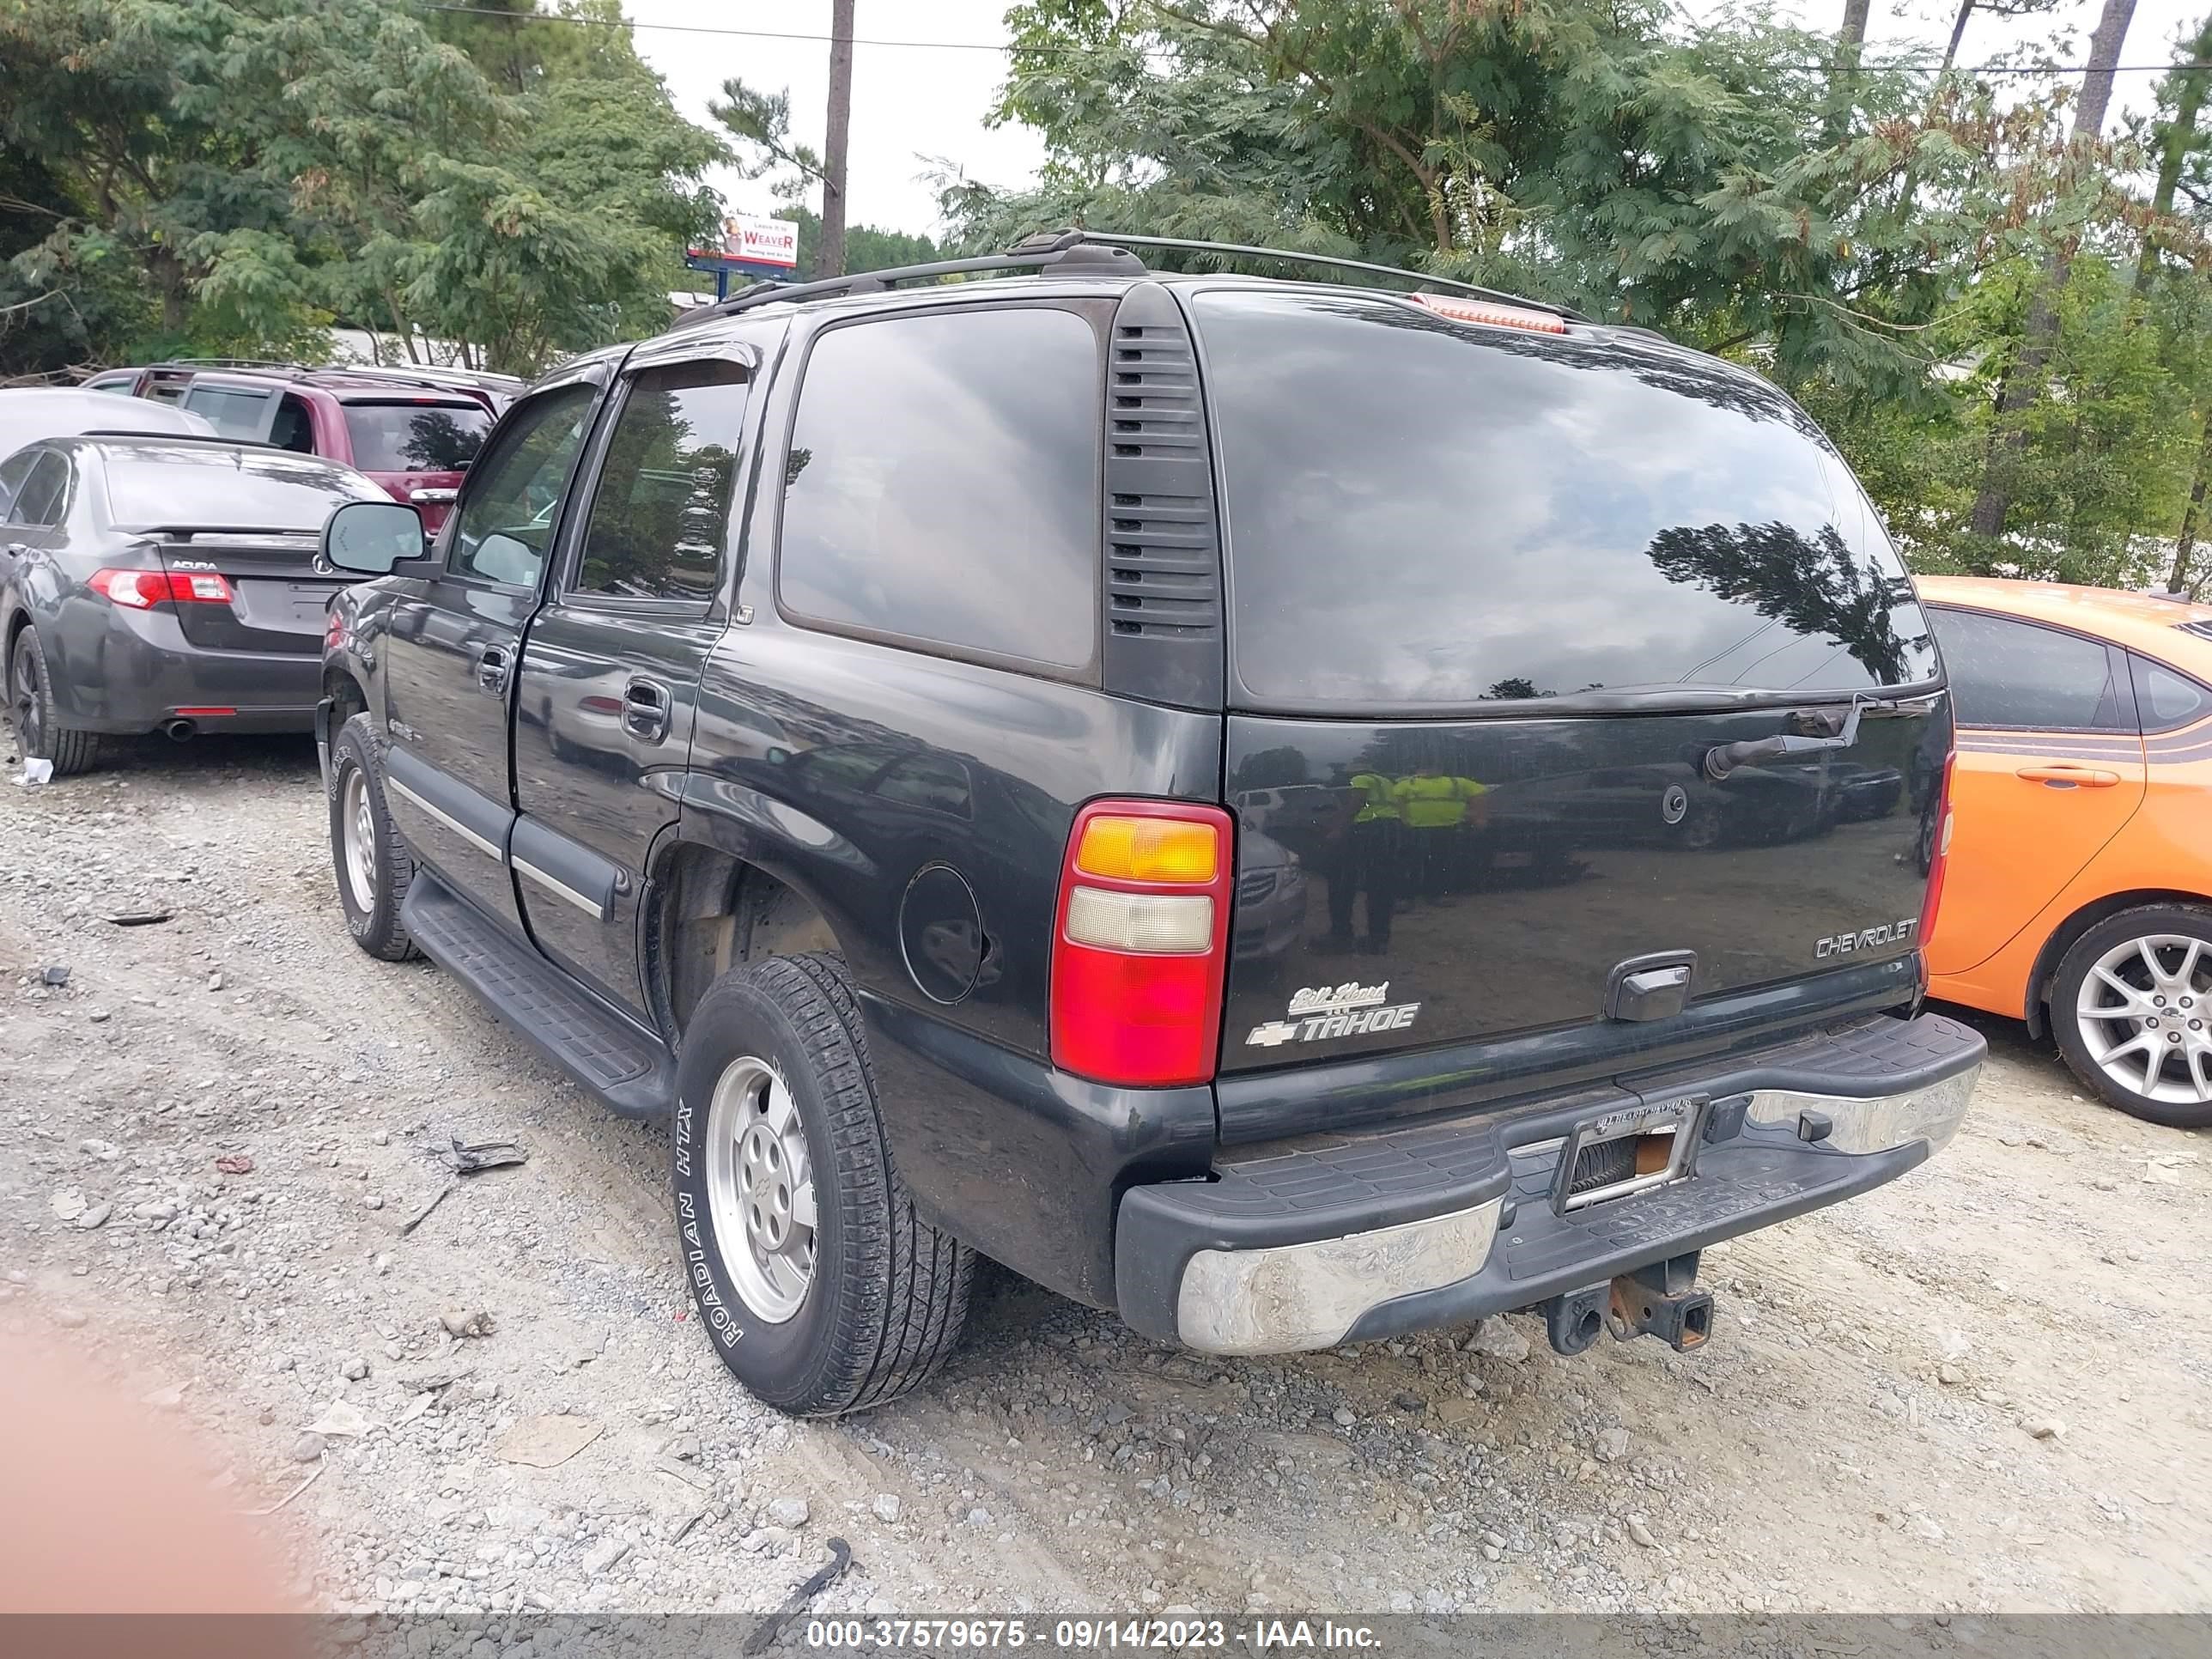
2132,1011
31,705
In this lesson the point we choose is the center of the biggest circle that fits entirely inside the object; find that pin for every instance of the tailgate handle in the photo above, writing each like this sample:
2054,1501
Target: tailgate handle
1656,987
2069,777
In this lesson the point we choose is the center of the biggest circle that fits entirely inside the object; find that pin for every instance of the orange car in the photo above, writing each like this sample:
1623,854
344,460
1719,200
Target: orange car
2080,883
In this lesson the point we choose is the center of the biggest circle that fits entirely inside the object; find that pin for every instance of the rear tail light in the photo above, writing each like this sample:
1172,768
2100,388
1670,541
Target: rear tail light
141,589
1939,857
1141,943
1482,311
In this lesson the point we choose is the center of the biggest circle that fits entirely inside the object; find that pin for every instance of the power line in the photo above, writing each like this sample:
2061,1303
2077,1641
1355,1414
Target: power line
1005,48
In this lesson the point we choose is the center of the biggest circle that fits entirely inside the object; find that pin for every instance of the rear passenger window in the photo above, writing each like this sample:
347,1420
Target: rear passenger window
943,484
45,494
2166,699
2014,673
662,513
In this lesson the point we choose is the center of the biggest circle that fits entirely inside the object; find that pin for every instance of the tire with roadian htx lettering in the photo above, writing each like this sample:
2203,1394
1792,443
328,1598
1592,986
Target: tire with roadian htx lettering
817,1284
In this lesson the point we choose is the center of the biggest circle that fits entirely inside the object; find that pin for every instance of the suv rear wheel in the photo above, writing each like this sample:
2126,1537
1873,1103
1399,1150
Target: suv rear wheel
819,1287
373,866
2132,1009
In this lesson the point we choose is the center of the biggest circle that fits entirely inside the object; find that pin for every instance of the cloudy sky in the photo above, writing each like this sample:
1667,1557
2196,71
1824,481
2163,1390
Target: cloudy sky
913,101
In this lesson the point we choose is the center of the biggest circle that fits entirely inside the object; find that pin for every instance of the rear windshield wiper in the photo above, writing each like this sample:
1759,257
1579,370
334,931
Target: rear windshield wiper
1829,730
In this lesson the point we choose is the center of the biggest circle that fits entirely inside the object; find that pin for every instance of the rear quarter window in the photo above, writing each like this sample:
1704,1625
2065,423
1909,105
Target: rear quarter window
1427,513
2167,699
942,485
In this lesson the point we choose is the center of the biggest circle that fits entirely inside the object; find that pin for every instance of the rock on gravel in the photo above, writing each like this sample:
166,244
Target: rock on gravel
791,1512
308,1447
1495,1339
603,1555
887,1507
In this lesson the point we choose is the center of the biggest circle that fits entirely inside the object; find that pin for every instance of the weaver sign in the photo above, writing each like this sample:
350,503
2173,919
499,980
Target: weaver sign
749,241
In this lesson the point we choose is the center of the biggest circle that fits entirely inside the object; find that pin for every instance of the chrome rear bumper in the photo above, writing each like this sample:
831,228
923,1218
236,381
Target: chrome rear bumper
1501,1236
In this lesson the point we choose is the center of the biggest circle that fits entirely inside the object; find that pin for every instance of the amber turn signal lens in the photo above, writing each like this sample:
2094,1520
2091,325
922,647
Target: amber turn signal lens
1149,849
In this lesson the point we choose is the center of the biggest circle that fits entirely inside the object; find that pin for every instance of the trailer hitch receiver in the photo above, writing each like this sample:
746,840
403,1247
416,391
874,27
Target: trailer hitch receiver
1660,1300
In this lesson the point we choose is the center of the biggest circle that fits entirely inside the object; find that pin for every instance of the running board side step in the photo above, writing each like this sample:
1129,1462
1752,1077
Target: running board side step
625,1066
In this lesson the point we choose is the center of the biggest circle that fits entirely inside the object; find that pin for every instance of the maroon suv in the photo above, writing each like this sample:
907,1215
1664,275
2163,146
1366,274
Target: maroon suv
414,436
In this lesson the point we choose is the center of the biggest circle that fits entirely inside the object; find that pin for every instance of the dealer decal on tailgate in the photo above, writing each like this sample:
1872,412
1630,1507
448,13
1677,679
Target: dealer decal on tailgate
1345,1010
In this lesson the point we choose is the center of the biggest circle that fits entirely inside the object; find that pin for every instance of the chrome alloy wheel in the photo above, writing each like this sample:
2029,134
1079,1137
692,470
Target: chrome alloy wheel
760,1188
2145,1010
358,830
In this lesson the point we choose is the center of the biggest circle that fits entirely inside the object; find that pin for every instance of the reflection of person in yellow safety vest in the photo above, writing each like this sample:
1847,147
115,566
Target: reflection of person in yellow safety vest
1370,857
1441,811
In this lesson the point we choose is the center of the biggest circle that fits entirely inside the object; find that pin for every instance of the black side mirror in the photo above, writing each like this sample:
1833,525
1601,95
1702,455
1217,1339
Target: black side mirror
367,539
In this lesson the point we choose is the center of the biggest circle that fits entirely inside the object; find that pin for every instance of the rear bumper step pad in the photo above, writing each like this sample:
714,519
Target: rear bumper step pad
1307,1244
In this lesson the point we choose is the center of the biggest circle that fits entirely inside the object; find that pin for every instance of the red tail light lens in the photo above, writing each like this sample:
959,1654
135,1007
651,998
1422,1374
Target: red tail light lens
141,589
1140,944
1940,859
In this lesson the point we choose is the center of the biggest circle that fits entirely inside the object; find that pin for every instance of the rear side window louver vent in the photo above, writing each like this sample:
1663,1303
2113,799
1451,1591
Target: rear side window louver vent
1163,598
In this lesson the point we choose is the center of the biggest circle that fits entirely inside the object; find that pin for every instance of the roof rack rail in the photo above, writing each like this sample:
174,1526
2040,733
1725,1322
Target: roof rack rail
1078,252
429,378
222,362
1062,248
1247,251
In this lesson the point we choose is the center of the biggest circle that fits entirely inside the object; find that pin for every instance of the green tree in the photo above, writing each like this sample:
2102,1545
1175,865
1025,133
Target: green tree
262,169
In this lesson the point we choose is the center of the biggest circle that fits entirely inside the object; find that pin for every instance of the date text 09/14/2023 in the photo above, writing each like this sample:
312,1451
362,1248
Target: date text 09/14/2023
1085,1635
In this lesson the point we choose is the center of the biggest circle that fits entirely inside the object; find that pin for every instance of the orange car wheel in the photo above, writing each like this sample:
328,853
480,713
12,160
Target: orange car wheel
2131,1007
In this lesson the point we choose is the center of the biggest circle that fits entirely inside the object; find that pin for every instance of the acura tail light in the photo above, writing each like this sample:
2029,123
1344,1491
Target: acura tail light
1939,857
141,589
1141,943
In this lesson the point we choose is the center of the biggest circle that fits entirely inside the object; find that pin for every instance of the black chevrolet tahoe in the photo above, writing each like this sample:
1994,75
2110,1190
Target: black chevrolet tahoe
1290,812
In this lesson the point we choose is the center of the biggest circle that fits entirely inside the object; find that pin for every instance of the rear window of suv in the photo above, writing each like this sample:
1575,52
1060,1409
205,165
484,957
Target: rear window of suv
1427,513
416,437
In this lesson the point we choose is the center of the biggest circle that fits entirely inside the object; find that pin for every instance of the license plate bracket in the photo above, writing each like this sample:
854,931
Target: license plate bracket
1667,1134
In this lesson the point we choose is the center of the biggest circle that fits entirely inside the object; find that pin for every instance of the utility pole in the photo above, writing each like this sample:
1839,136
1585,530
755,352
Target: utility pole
832,251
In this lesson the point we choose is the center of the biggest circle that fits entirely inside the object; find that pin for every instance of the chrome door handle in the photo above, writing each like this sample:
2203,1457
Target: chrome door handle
645,709
492,663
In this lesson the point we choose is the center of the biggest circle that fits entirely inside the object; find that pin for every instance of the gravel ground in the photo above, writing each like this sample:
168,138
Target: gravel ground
1985,1387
